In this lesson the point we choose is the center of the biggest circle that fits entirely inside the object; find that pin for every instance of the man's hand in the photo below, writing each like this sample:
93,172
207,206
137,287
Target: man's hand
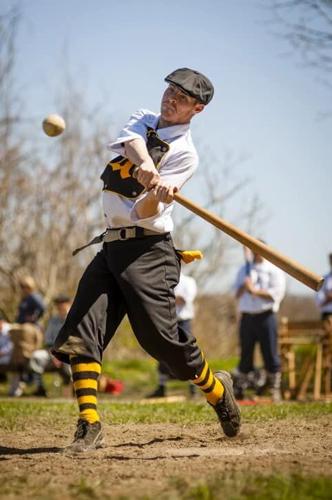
257,292
147,174
161,192
164,192
248,285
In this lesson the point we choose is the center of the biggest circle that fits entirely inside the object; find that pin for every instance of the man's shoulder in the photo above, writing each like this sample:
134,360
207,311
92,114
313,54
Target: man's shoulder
147,116
37,298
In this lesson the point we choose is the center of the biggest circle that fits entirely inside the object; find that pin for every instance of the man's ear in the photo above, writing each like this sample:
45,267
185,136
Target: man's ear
199,107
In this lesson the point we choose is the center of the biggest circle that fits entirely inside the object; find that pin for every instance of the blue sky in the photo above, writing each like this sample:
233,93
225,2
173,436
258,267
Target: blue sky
266,104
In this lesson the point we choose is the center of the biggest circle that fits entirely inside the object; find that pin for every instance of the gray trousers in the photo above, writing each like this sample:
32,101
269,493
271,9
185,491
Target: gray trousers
136,277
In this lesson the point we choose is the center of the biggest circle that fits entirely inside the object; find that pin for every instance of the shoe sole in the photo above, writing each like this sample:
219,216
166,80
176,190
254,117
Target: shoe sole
226,380
98,443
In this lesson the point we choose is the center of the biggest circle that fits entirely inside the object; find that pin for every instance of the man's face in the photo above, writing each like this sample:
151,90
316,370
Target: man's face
258,258
178,107
25,290
63,308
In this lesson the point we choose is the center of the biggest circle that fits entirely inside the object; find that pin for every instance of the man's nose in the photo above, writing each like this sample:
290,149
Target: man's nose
172,98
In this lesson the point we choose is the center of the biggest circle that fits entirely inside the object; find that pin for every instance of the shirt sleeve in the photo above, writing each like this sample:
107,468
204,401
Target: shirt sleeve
135,128
277,286
239,280
175,170
320,297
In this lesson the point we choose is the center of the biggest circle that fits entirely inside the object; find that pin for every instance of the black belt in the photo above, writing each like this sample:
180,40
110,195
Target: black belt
256,314
119,234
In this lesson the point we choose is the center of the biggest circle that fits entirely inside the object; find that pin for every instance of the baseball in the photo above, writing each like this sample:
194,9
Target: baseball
53,125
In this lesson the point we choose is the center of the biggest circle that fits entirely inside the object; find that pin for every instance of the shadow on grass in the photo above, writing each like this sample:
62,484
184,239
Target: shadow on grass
4,450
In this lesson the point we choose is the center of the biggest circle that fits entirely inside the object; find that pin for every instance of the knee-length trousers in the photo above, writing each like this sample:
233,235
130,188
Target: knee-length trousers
136,277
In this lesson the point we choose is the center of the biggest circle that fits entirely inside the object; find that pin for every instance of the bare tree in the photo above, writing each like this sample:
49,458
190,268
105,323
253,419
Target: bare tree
307,26
12,156
50,200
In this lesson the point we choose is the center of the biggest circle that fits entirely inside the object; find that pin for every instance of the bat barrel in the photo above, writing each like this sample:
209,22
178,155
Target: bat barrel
288,265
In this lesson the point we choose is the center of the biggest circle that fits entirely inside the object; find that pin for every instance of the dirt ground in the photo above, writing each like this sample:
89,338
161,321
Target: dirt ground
145,460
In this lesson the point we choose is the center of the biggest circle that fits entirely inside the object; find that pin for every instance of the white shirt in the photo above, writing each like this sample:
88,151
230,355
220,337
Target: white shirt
176,167
6,345
321,295
264,276
187,290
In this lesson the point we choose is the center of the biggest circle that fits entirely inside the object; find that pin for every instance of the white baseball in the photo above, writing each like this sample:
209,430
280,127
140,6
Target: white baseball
53,125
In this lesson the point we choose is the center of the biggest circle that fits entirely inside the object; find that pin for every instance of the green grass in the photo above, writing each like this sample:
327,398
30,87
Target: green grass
230,486
256,487
140,375
15,414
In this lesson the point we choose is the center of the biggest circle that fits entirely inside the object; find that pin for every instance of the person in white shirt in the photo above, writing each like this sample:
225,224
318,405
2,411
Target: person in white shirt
259,289
185,294
324,299
6,347
324,296
138,268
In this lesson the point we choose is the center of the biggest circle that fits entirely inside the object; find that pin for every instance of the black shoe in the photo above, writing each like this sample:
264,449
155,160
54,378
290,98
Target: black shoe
40,392
87,437
160,392
227,410
193,392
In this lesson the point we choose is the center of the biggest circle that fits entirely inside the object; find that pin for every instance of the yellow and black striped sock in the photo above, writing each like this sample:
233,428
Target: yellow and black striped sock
209,384
85,378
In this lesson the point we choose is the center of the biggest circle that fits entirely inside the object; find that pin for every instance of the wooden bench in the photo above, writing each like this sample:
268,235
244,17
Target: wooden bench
315,371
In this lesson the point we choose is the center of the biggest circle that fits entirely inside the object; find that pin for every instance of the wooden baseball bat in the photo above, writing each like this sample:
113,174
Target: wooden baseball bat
288,265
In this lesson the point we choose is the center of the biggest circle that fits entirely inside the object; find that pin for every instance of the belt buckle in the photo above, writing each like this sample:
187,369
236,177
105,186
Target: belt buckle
122,234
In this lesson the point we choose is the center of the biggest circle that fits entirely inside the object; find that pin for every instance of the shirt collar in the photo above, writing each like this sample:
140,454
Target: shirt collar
172,132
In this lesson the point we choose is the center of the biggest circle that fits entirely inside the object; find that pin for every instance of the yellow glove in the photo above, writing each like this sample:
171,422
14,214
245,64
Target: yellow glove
188,256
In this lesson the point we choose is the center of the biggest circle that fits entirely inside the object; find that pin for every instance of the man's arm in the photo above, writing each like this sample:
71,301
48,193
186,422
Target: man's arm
136,151
257,292
147,174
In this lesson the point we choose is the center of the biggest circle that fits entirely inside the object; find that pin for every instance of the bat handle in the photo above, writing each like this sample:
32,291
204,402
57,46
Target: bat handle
135,172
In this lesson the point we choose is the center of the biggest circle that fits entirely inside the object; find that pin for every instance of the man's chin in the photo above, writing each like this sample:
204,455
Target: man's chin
168,116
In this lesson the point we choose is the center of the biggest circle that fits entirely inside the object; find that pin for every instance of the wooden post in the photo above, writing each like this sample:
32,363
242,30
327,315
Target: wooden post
318,372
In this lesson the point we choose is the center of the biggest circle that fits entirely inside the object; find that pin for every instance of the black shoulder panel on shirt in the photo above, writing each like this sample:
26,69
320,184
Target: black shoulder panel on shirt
117,176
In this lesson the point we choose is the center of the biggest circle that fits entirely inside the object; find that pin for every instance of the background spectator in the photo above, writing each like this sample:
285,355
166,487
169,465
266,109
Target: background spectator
324,299
259,288
31,307
6,346
42,360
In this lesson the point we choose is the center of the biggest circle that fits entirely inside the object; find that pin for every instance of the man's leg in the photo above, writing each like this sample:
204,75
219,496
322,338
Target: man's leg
92,320
267,333
247,347
85,378
148,284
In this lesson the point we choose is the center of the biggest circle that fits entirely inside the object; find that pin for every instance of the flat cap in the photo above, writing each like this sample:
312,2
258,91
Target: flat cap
193,83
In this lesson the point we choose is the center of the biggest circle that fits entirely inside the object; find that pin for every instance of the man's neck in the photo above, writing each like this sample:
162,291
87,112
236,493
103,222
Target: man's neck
164,124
